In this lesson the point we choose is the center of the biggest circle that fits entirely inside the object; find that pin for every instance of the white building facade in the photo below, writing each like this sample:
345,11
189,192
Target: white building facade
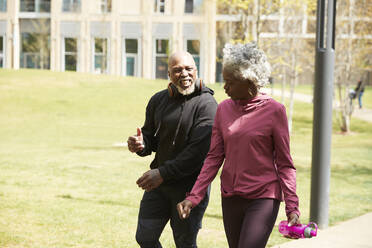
119,37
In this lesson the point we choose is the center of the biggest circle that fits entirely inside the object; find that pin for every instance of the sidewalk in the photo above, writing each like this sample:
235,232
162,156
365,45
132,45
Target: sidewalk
363,114
354,233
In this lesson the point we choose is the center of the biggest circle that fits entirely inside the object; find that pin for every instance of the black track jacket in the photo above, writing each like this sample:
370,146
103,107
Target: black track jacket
179,130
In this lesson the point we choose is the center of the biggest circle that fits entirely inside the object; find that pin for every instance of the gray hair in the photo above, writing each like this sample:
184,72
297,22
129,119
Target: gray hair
247,62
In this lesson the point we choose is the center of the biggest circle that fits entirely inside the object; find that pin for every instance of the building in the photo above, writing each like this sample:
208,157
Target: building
119,37
135,37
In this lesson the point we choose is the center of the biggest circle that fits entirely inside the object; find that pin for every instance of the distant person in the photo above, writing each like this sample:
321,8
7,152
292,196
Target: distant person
359,90
250,136
178,129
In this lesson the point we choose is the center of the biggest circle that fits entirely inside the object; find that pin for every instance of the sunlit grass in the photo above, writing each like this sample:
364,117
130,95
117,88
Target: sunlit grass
64,182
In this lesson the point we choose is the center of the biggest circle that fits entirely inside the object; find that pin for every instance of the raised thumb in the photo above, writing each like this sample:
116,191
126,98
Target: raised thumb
139,133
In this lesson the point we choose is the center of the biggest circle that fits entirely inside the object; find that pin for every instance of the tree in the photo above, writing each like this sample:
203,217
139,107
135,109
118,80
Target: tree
250,13
291,54
353,53
245,22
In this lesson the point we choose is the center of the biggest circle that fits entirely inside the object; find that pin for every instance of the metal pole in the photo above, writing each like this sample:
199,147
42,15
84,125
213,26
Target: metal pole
322,121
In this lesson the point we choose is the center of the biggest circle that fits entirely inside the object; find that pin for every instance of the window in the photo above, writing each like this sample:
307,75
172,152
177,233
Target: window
161,58
193,6
189,6
71,6
2,51
29,57
2,5
35,6
131,57
159,6
100,55
34,43
35,51
27,6
193,47
106,6
70,54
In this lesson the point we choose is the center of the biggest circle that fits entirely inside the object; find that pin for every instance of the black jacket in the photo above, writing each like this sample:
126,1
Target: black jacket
179,129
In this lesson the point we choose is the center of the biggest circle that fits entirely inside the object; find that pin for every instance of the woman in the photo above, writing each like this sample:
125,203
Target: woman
250,133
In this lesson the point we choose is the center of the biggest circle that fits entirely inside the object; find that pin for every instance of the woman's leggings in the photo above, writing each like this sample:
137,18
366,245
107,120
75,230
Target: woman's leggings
248,222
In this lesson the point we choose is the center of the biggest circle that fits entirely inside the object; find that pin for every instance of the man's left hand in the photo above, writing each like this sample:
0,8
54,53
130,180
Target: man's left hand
150,180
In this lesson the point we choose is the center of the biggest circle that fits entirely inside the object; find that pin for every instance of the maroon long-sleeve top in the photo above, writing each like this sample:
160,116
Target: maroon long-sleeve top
252,137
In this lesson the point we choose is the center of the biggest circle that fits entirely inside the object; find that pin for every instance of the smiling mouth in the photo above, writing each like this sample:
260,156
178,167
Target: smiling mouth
185,82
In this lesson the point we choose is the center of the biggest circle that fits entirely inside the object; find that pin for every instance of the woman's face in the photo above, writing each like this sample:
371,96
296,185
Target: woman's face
234,88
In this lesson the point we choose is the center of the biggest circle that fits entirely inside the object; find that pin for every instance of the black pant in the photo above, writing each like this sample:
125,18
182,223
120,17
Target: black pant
248,222
157,208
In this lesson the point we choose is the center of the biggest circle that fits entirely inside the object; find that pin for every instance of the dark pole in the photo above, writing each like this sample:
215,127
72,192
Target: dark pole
322,122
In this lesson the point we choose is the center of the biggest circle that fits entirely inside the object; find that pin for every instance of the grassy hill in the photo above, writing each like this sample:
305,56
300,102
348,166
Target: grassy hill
65,182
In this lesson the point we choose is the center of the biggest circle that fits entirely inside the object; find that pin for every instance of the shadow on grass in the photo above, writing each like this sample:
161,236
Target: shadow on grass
214,216
99,148
119,203
341,172
103,202
351,172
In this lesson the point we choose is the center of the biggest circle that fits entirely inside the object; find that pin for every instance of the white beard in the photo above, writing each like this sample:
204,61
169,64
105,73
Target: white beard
187,91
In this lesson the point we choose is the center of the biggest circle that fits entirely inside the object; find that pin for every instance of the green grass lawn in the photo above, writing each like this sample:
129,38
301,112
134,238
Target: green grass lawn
65,183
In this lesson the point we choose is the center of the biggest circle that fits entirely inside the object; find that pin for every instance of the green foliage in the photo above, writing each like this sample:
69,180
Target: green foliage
64,182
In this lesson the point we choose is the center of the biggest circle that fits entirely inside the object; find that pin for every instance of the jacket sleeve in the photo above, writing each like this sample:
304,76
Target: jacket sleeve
148,129
283,161
192,156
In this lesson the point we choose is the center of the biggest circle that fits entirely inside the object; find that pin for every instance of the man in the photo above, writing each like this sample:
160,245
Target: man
359,90
178,128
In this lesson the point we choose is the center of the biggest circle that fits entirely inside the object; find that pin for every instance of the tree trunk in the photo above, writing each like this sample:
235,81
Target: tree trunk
345,110
292,90
284,78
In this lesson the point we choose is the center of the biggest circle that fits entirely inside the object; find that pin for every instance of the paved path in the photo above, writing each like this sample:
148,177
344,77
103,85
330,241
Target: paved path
363,114
354,233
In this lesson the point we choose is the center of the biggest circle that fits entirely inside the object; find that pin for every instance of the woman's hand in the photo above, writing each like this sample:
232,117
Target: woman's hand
293,219
184,209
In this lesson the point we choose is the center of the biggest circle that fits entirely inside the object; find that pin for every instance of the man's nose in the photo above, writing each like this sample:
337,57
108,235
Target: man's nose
184,72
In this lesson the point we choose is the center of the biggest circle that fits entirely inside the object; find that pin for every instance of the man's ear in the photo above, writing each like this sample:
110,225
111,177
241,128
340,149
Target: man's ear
168,74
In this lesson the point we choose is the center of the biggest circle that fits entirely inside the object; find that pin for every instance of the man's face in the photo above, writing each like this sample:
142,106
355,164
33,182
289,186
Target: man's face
182,71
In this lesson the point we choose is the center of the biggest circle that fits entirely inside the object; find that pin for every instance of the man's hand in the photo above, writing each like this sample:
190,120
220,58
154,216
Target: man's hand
150,180
184,209
293,219
135,142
